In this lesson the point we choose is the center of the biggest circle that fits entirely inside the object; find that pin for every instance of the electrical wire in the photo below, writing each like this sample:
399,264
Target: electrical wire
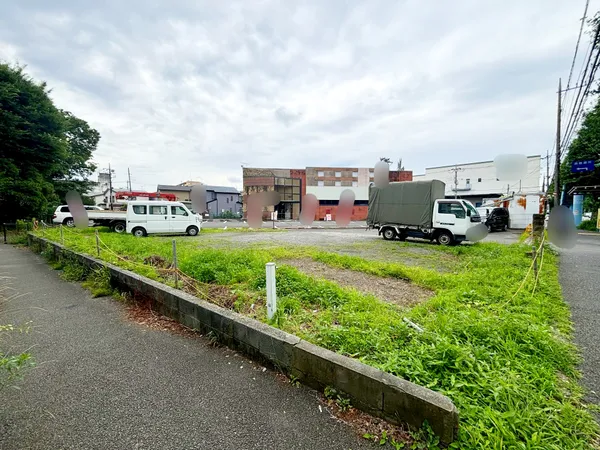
587,3
584,87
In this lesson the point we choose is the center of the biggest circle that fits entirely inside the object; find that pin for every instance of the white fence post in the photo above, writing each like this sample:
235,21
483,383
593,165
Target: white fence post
271,291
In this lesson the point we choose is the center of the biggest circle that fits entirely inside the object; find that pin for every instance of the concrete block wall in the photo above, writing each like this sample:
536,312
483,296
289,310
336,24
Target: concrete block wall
370,389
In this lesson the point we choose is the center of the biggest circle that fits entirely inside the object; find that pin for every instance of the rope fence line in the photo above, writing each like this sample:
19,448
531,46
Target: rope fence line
533,262
189,281
186,279
538,273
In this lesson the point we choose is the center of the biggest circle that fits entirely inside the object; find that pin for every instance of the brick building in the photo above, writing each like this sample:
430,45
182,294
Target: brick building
326,183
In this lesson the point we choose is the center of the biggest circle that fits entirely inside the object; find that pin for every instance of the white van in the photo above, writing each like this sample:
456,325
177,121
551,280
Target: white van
155,216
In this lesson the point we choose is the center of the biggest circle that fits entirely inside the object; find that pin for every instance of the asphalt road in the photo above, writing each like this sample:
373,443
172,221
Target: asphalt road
103,382
580,281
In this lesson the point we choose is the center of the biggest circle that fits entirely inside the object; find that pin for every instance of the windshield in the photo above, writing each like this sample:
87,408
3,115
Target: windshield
471,208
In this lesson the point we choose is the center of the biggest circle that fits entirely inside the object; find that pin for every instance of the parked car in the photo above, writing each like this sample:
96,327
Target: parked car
148,217
497,219
63,215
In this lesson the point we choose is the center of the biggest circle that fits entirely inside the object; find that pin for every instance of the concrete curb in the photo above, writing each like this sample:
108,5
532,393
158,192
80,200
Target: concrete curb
370,389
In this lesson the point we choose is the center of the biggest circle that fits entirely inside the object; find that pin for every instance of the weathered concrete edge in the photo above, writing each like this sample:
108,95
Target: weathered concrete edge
370,389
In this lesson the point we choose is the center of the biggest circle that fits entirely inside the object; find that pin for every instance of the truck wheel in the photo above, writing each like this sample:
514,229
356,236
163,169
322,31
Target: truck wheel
119,227
138,232
389,234
69,222
444,238
192,231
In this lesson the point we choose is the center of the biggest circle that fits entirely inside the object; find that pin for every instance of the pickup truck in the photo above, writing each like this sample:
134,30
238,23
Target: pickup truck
419,209
116,220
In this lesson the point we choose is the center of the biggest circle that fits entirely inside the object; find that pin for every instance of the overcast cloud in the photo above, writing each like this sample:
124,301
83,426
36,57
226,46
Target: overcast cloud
194,89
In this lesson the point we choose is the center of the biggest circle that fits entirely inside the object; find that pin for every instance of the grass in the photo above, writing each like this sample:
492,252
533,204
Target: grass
507,363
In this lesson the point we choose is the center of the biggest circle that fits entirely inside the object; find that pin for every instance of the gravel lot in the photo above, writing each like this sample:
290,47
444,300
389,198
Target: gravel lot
319,237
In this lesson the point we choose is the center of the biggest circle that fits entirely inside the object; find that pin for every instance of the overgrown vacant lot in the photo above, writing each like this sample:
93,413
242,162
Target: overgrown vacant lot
506,360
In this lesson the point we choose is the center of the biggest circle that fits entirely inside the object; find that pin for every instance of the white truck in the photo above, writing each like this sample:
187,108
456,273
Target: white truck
116,220
419,209
161,217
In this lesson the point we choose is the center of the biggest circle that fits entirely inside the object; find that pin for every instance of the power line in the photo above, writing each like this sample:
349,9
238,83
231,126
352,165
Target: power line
584,88
580,111
587,3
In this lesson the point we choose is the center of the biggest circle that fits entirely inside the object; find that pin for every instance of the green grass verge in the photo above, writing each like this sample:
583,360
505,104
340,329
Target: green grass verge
508,364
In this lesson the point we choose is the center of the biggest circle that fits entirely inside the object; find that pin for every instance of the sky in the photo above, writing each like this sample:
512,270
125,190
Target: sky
196,89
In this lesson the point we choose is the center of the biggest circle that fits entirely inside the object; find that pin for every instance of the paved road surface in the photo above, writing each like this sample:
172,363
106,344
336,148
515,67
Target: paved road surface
580,280
103,382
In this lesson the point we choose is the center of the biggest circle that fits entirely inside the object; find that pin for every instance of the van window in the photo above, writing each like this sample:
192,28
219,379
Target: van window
158,210
139,209
64,209
178,211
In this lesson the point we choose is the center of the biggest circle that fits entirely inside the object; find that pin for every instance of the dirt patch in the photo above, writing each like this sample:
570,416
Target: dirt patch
156,261
391,290
139,310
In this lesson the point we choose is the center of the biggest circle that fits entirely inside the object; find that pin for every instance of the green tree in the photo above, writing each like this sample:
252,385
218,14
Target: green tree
586,146
43,151
74,171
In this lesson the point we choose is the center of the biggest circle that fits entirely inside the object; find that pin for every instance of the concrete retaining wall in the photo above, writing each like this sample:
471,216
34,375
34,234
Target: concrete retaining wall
370,389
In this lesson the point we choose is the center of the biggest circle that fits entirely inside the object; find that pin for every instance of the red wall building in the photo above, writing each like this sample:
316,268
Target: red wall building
325,182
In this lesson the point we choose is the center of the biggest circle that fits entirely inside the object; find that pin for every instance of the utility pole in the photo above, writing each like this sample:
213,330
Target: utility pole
557,162
455,170
547,172
129,177
110,190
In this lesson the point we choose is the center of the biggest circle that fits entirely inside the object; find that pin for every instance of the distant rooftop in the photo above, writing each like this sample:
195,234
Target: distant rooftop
217,189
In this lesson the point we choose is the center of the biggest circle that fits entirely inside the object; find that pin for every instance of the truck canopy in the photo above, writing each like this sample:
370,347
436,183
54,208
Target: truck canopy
406,203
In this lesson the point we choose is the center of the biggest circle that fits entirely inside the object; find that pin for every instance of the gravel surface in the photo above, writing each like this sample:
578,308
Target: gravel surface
320,237
391,290
580,281
103,382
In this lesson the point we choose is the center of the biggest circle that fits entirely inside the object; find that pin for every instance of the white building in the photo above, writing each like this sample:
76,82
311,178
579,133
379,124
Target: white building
477,181
99,193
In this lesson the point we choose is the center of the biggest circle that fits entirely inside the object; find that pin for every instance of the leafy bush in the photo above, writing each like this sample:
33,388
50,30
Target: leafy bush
589,225
228,215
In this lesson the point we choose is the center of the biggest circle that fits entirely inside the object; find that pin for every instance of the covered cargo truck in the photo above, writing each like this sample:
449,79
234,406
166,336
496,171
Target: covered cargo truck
419,209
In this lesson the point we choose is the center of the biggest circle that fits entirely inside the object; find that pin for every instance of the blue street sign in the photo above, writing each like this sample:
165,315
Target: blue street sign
582,166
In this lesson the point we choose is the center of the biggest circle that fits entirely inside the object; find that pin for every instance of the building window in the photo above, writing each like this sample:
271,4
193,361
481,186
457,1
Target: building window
338,174
479,180
227,200
338,183
371,173
468,181
320,183
355,174
320,174
232,198
355,184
